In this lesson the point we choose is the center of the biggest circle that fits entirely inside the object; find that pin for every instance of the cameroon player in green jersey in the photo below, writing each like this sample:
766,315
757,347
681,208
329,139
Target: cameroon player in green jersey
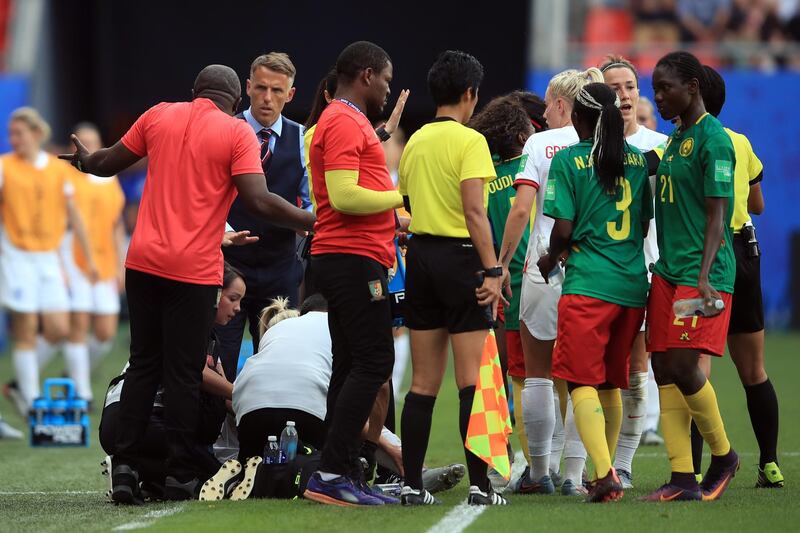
599,195
507,124
694,203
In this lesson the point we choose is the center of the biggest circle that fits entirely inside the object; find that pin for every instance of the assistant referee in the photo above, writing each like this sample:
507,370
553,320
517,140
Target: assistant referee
443,173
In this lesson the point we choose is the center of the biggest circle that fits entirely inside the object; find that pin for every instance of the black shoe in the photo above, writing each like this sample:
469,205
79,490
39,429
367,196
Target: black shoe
152,492
490,497
413,497
125,483
175,490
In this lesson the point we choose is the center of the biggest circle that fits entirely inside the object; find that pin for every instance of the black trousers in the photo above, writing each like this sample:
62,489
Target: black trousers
151,456
230,335
170,324
256,426
360,321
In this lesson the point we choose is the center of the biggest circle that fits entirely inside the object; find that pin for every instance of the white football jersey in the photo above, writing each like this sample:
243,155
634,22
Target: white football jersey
540,149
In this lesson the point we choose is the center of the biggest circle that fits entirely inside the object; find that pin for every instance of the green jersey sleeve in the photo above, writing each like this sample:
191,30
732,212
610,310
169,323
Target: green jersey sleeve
559,197
718,162
647,200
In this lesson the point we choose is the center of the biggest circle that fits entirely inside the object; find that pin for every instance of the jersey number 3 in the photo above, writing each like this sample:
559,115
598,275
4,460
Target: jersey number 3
621,230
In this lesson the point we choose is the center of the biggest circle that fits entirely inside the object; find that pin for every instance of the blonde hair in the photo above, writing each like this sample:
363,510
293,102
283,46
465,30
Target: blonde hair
31,118
568,84
275,312
275,61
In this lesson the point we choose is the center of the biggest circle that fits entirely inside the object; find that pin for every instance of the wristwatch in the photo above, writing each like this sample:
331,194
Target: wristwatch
382,134
494,272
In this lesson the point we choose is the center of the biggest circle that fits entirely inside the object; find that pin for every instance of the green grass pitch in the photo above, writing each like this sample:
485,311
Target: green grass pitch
62,489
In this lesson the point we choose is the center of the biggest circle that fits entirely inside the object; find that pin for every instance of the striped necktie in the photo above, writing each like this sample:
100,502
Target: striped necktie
266,153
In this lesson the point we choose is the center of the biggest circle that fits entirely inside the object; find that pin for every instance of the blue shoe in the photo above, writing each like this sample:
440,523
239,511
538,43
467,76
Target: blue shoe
376,492
339,491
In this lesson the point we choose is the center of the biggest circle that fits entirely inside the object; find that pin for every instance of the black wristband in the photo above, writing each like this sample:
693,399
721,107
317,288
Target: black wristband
382,134
494,272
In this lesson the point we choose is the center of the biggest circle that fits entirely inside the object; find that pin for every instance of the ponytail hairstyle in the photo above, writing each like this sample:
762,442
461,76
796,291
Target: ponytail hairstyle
328,83
685,66
275,312
568,84
597,105
229,275
502,121
713,91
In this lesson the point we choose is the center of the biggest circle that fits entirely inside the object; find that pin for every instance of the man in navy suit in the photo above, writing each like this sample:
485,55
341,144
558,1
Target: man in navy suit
270,266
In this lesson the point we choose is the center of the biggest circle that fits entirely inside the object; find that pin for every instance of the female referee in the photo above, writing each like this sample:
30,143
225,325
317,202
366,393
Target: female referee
694,203
599,195
443,173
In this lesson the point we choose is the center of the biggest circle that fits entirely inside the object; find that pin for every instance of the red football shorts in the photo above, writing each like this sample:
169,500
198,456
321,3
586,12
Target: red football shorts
594,340
516,359
665,330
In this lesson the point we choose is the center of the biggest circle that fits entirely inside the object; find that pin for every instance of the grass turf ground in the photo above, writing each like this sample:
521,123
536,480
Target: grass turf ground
62,489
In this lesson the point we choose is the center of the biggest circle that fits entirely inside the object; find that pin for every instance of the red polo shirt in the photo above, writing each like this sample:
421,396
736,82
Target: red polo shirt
345,140
194,149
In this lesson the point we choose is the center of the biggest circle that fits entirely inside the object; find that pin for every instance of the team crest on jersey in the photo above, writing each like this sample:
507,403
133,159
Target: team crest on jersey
685,336
686,147
376,290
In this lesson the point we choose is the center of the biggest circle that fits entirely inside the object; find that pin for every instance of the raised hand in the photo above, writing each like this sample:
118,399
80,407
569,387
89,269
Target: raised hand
78,158
394,119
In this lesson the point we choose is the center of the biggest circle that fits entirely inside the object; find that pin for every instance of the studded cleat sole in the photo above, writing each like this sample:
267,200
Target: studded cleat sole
245,486
218,486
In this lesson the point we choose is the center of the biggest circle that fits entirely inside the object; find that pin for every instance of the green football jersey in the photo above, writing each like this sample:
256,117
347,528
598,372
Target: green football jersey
606,258
698,163
501,197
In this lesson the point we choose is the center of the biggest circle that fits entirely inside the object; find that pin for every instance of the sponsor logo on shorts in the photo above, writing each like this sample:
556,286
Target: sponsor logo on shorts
376,290
685,336
686,147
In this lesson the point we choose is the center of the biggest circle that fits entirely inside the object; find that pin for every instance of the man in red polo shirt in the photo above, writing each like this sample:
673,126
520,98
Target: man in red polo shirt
351,252
199,156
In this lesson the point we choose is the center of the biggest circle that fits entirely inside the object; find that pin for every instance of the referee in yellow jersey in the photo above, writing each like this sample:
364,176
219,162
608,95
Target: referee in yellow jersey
443,172
746,330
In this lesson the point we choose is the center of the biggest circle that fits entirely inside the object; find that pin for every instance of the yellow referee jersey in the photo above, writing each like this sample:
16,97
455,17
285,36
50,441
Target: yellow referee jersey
747,172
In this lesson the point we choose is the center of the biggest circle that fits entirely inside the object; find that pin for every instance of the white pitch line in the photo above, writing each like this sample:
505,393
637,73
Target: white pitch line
458,519
150,519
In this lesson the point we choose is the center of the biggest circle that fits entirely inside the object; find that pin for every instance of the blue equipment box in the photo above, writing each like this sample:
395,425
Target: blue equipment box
59,417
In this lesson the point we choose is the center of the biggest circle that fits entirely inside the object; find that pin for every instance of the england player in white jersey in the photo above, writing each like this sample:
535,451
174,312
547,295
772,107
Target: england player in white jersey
621,76
539,301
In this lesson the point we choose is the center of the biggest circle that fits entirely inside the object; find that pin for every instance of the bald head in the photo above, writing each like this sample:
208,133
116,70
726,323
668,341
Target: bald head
218,82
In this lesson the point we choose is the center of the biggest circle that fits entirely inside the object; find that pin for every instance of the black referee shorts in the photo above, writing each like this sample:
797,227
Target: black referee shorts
441,283
747,310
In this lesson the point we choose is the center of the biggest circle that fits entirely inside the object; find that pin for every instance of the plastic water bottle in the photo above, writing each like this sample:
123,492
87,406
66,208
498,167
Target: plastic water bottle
272,452
690,307
59,412
556,276
40,411
78,408
289,442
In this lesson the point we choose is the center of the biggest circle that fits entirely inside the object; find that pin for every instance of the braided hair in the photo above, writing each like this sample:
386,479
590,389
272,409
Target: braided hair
597,105
502,121
534,106
329,84
686,66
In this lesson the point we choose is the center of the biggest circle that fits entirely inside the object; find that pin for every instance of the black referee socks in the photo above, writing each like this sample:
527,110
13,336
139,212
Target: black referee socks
762,404
415,425
475,466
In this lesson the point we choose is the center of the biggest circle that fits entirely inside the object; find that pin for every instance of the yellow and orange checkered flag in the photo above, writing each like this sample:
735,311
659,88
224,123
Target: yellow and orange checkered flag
490,421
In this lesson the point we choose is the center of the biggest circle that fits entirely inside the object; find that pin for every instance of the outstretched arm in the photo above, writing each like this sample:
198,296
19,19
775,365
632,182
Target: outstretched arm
274,209
104,162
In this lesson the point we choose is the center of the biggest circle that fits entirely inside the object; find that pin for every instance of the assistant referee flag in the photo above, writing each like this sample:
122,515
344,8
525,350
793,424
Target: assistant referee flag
489,421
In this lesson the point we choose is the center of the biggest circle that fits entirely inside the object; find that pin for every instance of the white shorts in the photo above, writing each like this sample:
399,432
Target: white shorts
538,308
31,282
101,298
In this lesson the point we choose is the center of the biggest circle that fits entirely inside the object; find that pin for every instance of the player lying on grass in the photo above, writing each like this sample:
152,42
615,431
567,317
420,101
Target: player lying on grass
214,404
599,195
